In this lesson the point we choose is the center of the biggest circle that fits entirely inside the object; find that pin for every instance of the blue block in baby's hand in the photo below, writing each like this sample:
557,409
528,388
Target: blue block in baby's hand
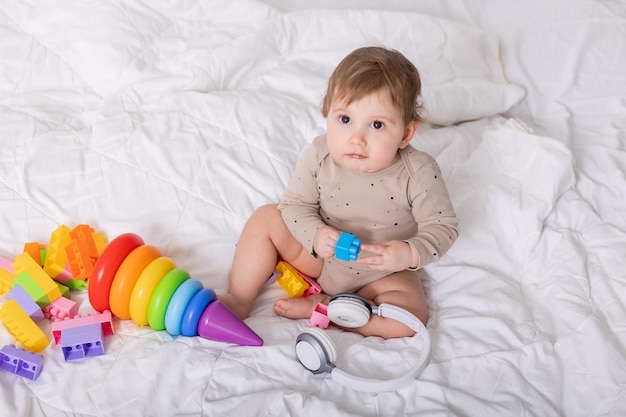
348,247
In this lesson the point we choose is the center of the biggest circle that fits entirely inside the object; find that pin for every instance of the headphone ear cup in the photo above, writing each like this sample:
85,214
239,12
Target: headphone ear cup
326,342
349,313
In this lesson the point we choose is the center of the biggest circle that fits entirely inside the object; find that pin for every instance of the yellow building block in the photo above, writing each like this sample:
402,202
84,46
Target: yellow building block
101,242
57,257
290,280
22,327
24,263
6,278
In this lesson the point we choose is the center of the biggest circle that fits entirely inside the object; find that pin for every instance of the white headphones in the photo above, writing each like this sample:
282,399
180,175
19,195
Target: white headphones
316,351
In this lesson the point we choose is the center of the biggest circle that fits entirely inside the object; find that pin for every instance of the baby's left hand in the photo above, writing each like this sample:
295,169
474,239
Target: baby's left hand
393,256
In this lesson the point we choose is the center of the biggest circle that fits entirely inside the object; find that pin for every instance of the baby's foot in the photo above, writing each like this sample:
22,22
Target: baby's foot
240,309
298,308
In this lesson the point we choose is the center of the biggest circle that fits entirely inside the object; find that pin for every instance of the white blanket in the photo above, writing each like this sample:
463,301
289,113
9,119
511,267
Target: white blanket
175,120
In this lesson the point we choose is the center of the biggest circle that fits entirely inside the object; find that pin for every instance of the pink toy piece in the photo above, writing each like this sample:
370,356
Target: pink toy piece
103,319
20,362
319,318
60,309
29,306
82,342
7,264
219,323
314,287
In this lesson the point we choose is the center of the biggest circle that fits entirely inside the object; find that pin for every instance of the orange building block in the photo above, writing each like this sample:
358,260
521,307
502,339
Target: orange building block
84,233
81,264
57,257
22,327
34,250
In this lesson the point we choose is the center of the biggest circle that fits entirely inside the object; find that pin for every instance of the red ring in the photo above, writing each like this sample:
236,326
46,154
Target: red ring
106,267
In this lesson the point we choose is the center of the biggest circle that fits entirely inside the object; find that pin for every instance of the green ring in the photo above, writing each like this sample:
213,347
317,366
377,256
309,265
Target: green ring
162,295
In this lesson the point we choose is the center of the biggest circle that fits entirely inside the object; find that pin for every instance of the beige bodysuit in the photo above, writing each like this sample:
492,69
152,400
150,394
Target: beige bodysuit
406,201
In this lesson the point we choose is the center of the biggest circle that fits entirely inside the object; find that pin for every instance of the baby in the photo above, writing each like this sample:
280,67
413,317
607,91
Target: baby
364,178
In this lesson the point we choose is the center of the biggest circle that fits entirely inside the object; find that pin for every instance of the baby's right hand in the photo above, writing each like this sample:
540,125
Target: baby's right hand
325,242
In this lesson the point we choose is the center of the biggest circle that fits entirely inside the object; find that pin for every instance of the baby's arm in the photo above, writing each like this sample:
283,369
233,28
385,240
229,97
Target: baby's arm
300,203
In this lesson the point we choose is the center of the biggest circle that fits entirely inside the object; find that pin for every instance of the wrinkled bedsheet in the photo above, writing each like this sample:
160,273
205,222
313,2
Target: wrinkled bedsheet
175,120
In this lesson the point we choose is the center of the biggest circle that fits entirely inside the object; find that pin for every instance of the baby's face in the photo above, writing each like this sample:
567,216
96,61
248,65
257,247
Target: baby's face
365,135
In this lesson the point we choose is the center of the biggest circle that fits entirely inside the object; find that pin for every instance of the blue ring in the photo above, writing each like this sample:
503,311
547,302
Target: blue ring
178,304
194,311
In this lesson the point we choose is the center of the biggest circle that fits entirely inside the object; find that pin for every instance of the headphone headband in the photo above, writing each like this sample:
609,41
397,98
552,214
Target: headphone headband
316,352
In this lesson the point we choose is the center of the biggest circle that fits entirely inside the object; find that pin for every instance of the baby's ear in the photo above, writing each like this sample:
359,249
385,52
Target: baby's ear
409,132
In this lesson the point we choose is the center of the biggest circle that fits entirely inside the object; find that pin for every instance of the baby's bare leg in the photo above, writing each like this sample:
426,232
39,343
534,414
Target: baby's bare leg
264,238
403,289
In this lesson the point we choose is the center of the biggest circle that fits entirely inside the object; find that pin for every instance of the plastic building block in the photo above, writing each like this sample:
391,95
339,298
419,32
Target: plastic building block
290,280
56,257
81,264
84,233
22,327
348,247
27,304
24,280
60,309
25,263
5,263
6,278
20,362
319,318
82,342
33,249
76,284
101,242
102,319
314,287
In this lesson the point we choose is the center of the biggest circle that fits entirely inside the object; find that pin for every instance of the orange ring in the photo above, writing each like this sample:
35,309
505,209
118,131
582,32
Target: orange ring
127,275
145,286
106,267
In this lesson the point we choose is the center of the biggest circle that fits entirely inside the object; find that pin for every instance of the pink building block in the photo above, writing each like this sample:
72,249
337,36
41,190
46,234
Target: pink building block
104,319
319,318
60,309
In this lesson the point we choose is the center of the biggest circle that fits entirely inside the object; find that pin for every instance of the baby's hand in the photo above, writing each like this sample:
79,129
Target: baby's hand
393,256
325,241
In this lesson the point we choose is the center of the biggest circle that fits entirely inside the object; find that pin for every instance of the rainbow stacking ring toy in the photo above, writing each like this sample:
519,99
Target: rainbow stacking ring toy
136,282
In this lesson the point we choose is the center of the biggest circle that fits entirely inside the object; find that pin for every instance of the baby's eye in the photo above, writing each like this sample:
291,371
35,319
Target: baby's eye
377,124
343,119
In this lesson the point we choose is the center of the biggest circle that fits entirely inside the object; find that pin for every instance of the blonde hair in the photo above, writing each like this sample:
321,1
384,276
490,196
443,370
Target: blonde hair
369,69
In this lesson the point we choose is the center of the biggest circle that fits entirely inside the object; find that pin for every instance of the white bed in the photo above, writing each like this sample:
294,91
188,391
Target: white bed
174,120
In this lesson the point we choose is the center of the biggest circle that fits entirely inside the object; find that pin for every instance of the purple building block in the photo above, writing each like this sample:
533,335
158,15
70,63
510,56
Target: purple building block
348,247
20,362
29,305
82,342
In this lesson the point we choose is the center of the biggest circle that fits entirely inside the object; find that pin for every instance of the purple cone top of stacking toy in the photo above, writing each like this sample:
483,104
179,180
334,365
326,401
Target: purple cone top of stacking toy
219,323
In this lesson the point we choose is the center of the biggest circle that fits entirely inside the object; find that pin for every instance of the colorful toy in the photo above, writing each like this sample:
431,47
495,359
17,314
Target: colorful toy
27,304
20,362
82,342
319,318
103,319
290,280
60,309
348,247
22,327
56,258
160,295
25,263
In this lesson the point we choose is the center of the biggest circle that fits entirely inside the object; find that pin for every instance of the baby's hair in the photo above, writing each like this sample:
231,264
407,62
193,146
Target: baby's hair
369,69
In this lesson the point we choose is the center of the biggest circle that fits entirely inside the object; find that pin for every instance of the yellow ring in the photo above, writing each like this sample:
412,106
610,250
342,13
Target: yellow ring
145,286
126,276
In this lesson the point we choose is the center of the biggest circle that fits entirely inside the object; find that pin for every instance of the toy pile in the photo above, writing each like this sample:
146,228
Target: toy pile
125,278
